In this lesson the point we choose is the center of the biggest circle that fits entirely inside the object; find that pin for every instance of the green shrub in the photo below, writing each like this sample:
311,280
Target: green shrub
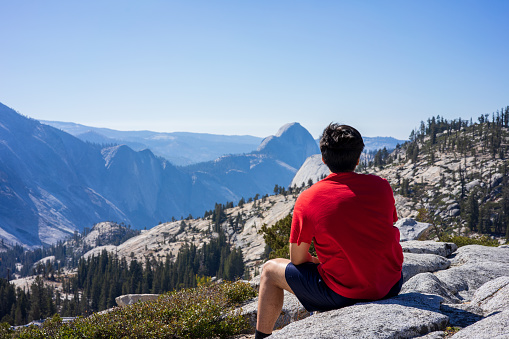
5,330
464,241
202,312
277,238
238,292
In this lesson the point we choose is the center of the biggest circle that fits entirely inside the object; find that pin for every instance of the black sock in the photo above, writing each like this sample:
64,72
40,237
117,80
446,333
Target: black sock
261,335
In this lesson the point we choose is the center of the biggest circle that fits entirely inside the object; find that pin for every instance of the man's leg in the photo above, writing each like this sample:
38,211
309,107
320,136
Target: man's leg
270,296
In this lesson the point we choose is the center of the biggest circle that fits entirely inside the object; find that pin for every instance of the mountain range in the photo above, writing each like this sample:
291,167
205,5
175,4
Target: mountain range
180,148
53,183
185,148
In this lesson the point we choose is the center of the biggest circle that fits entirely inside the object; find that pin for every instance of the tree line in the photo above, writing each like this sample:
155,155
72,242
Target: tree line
67,253
100,279
484,208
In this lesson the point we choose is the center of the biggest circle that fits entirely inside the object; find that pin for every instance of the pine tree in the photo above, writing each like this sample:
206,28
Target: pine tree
473,211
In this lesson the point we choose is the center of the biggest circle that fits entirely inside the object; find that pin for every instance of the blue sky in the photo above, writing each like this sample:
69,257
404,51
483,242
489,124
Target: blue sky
248,67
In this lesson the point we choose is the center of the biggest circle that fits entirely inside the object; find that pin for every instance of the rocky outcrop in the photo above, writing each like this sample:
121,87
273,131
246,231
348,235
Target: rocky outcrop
129,299
493,296
292,144
464,280
494,327
477,254
409,229
405,316
469,289
428,283
167,238
443,249
420,263
313,169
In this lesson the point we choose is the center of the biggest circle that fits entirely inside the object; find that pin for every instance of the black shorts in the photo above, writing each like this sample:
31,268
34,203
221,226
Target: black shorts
314,294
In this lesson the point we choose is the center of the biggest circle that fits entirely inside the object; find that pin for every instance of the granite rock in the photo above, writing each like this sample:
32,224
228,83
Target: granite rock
443,249
255,282
478,253
410,229
493,296
492,327
433,335
399,317
461,315
464,280
414,264
129,299
428,283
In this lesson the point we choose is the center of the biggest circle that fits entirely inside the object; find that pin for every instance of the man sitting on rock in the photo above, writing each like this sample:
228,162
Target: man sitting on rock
349,217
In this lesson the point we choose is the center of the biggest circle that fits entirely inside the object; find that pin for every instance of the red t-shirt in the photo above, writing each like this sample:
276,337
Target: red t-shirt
350,217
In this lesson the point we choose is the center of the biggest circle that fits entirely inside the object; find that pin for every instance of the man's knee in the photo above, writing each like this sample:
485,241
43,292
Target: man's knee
273,270
268,267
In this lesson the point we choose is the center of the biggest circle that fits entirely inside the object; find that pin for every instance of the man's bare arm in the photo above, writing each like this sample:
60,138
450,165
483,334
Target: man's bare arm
299,254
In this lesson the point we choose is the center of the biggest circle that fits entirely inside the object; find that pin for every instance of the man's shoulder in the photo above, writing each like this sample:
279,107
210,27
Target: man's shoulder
377,183
353,178
372,177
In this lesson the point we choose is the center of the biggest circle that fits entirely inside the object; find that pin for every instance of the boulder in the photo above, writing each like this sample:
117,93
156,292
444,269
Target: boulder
443,249
474,183
292,311
492,327
428,283
493,296
414,264
478,253
461,315
453,206
255,282
129,299
496,180
405,316
409,229
464,280
454,212
417,300
433,335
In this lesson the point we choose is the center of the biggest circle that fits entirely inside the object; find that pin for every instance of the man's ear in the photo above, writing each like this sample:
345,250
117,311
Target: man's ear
358,160
323,160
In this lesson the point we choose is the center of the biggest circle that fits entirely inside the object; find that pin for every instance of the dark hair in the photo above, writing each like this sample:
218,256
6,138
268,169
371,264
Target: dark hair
341,147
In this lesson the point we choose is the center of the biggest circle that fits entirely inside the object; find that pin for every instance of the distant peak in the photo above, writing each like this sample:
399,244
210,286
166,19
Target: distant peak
292,131
288,127
292,144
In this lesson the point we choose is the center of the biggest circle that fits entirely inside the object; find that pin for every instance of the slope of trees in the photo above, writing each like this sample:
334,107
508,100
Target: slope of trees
19,307
100,279
66,253
483,208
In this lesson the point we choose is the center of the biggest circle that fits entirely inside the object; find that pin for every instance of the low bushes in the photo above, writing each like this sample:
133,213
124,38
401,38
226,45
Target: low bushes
202,312
463,241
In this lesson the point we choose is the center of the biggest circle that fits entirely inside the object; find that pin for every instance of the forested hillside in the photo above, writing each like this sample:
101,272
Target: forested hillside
171,256
98,280
453,173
